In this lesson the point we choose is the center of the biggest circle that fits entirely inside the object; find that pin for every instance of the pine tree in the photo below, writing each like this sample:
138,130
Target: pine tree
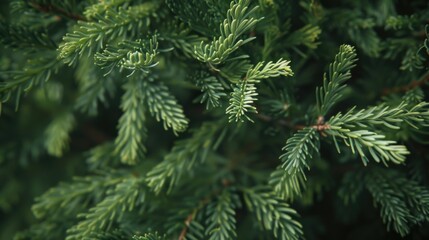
210,119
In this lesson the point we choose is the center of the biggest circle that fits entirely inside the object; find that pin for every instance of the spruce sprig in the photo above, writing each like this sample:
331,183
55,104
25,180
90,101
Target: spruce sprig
360,141
132,130
137,55
289,179
358,130
77,193
237,23
100,7
58,134
37,71
213,91
221,218
185,156
86,38
273,214
94,88
244,93
163,106
149,236
127,195
334,80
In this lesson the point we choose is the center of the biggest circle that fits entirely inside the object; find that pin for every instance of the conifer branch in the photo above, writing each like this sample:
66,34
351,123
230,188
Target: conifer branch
53,9
306,36
188,221
149,236
334,81
22,37
36,73
201,16
162,105
393,209
273,214
241,101
354,128
359,141
173,56
212,90
181,38
289,179
244,93
382,115
410,86
234,71
352,186
125,197
89,37
298,149
399,198
57,134
75,194
138,60
185,155
137,55
100,7
221,221
132,129
418,199
102,157
115,234
237,22
93,89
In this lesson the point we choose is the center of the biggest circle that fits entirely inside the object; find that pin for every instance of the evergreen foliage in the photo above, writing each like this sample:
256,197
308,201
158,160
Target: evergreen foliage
237,22
289,179
197,119
132,131
221,222
273,214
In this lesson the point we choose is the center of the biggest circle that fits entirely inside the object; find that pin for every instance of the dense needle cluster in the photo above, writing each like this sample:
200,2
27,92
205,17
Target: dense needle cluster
214,119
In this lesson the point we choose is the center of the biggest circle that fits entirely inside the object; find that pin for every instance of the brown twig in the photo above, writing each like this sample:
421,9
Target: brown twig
319,126
48,8
405,88
226,183
187,223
